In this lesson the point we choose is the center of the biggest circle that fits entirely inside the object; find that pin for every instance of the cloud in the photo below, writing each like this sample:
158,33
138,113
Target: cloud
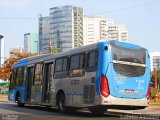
15,3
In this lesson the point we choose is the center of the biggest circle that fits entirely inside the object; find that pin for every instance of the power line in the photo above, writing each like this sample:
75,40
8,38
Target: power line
131,7
17,18
111,11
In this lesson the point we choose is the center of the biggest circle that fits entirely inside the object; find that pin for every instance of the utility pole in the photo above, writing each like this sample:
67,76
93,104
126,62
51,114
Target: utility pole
155,79
50,45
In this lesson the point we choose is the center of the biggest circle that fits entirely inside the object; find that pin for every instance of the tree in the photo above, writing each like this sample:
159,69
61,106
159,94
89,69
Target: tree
152,77
53,50
7,66
158,76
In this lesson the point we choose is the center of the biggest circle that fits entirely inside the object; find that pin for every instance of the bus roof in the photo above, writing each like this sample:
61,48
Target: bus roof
25,61
125,45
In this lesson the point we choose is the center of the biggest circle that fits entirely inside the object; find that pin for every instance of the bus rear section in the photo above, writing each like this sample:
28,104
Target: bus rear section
125,75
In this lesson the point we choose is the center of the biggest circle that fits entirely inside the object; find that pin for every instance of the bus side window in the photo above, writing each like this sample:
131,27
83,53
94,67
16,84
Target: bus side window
92,60
77,65
20,76
58,65
61,68
38,74
74,63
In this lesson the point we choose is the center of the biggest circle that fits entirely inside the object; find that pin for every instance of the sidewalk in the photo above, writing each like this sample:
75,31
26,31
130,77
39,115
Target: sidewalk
3,98
150,110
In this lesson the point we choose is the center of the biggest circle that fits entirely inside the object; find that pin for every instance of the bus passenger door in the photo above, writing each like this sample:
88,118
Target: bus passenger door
30,73
36,95
48,83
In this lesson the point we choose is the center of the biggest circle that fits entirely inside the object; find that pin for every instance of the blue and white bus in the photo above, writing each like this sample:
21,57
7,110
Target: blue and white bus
103,75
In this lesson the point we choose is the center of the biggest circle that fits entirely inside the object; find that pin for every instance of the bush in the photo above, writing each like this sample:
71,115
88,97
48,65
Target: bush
4,92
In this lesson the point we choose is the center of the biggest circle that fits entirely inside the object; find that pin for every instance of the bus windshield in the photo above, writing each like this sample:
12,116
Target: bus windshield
128,62
128,55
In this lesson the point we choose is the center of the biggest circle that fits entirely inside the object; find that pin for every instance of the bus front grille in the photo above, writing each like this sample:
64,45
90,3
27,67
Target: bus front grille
129,70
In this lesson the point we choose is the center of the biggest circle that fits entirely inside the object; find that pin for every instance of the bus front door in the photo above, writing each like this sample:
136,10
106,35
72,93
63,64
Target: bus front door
30,73
47,83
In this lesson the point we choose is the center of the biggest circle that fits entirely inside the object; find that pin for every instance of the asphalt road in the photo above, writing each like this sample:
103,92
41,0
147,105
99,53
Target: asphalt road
12,112
9,111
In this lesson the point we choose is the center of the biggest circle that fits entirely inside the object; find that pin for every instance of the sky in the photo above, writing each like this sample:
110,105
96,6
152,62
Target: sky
142,18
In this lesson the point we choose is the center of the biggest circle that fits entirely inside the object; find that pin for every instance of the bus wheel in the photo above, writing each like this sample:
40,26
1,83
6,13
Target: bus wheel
61,103
19,104
99,110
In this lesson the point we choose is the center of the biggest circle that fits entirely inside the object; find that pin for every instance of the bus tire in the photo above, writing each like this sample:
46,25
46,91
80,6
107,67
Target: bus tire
19,103
61,103
99,110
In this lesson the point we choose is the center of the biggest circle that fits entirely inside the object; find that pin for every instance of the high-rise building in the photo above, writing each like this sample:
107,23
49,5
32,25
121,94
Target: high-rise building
66,28
31,43
155,60
44,34
94,29
16,50
117,32
2,51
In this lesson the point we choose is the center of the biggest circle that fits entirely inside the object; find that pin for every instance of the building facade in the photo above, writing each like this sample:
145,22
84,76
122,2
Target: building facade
2,50
155,60
31,43
94,29
16,50
117,32
44,34
66,27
